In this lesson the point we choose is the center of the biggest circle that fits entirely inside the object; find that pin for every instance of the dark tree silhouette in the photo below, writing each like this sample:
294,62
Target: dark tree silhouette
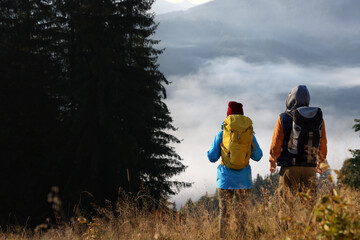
350,171
28,111
82,106
264,186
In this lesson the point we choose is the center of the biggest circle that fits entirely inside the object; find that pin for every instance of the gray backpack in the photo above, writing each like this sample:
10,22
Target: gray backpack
305,135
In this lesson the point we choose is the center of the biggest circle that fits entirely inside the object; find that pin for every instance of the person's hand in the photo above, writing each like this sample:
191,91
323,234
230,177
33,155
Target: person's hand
272,167
321,167
319,170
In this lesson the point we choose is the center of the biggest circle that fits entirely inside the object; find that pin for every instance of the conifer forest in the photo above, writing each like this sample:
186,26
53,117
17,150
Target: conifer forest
82,111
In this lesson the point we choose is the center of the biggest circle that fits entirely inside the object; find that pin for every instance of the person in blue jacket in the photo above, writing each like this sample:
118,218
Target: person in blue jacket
233,183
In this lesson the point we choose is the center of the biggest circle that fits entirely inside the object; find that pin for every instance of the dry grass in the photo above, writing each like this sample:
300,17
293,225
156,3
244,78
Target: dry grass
264,222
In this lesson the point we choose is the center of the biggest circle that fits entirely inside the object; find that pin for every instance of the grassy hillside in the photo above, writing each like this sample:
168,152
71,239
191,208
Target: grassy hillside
333,215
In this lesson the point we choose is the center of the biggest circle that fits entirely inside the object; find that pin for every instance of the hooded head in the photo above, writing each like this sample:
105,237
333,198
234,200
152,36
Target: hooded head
298,97
235,108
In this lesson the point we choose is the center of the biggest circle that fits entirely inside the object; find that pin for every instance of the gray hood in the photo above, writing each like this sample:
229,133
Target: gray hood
298,97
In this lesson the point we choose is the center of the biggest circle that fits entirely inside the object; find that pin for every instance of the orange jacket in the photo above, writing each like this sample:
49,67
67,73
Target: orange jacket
278,138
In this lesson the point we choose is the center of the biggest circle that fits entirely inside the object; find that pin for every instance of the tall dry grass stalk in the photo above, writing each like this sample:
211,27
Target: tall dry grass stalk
306,219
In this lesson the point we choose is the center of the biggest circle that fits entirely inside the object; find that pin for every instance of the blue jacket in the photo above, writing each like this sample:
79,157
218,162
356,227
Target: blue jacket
229,178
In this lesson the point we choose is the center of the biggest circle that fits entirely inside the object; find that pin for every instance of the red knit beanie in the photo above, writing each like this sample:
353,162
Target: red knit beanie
235,108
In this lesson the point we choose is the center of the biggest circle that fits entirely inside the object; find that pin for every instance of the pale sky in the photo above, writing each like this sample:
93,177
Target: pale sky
168,6
192,1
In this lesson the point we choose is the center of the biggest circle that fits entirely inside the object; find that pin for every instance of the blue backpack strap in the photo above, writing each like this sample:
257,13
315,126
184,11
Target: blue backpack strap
285,159
286,121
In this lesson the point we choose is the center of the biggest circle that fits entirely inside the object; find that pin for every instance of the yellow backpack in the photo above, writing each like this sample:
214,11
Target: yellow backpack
237,141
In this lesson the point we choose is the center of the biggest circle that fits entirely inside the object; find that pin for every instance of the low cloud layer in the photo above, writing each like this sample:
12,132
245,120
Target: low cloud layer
255,52
198,103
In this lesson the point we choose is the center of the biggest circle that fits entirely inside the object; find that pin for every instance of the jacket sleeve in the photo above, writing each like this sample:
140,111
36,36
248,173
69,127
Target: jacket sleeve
256,154
215,149
323,145
277,141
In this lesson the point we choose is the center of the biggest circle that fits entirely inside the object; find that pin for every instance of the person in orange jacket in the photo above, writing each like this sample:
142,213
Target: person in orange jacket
296,176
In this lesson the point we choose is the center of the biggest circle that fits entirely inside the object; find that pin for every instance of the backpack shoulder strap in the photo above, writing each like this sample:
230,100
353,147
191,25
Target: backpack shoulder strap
253,145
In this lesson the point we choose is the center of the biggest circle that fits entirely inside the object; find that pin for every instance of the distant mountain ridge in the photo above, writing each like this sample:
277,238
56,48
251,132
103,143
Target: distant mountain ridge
324,32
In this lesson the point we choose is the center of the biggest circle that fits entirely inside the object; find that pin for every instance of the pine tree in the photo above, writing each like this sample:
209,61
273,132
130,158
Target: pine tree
28,111
119,127
350,171
158,161
82,101
264,186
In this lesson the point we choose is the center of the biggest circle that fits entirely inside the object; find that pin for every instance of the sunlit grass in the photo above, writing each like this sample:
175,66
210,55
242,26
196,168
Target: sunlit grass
333,215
